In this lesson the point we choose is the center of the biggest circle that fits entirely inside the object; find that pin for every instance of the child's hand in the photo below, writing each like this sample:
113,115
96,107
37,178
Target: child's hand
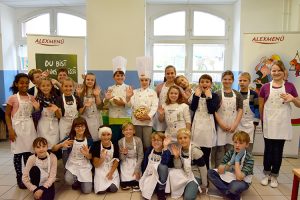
108,95
97,91
109,176
52,107
161,110
119,102
38,194
240,155
129,92
198,92
232,128
166,142
85,151
45,74
221,169
287,97
103,153
12,135
137,175
144,117
35,104
68,143
79,89
88,102
207,93
175,150
124,151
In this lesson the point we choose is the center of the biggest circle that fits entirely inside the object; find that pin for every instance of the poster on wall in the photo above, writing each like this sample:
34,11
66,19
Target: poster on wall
260,50
52,62
53,52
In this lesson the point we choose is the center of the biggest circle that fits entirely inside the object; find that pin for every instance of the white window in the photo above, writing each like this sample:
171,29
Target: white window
195,42
37,25
70,25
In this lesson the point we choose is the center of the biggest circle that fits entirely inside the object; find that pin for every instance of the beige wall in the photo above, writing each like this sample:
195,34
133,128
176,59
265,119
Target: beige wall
114,27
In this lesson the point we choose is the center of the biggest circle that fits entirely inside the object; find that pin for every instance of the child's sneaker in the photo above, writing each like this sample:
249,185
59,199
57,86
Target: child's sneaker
274,182
161,195
126,187
265,180
76,185
136,188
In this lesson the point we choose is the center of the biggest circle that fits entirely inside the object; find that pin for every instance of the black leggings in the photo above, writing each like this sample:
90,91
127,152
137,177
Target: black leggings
206,154
18,163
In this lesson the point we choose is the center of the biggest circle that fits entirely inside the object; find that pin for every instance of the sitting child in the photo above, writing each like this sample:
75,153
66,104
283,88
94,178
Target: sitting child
40,171
234,175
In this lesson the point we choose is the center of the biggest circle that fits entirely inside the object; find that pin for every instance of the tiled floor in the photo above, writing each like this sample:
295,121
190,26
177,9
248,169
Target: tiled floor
9,190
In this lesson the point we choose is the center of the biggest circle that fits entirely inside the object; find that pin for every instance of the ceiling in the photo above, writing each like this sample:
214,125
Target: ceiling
45,3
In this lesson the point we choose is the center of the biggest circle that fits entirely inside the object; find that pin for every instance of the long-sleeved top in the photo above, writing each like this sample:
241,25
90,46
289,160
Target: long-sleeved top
130,146
253,103
248,163
31,162
212,103
166,158
89,144
196,158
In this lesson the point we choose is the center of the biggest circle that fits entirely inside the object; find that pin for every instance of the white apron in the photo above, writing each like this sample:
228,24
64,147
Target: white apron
179,178
246,123
101,183
23,126
174,117
78,164
228,113
92,117
230,176
45,170
203,128
48,127
150,177
157,125
128,165
277,116
65,123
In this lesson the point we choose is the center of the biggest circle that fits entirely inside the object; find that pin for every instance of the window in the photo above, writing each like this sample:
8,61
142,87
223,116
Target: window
193,41
49,23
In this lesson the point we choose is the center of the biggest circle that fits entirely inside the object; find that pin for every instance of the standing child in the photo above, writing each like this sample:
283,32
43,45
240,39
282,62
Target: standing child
40,171
89,93
144,102
204,103
175,113
78,166
35,76
70,106
234,175
228,117
115,97
131,157
184,84
275,109
105,160
162,90
155,166
190,171
50,113
20,124
250,118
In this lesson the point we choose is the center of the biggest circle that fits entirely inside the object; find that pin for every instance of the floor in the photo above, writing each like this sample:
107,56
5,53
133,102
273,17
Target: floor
9,189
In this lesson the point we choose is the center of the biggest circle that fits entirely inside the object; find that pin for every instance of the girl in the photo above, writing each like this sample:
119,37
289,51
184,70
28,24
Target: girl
90,95
105,160
162,90
155,166
40,171
275,109
175,113
20,124
119,112
190,170
78,166
184,84
50,113
228,117
131,157
204,103
70,106
144,103
250,118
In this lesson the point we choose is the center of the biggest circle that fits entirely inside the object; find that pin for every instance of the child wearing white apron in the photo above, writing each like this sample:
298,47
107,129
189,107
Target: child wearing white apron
105,160
40,171
204,105
189,171
20,124
155,167
131,157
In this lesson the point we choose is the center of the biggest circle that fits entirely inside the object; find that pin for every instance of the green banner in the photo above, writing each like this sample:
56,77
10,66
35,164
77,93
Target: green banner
52,62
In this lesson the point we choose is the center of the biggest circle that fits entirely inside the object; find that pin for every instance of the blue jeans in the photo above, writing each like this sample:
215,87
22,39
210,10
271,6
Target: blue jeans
163,172
191,190
232,190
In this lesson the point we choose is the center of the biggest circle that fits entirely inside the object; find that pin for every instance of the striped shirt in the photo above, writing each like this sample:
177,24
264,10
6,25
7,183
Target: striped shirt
248,163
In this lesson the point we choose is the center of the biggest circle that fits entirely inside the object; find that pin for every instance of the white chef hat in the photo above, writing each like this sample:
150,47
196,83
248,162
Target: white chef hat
119,64
144,66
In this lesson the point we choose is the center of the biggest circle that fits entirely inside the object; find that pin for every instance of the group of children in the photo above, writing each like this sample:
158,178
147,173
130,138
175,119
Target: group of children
192,128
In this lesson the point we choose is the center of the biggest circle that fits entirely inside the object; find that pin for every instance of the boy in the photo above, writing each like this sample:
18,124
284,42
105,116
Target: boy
35,76
234,174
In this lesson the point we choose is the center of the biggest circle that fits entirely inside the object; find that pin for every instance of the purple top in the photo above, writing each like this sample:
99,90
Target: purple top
289,88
